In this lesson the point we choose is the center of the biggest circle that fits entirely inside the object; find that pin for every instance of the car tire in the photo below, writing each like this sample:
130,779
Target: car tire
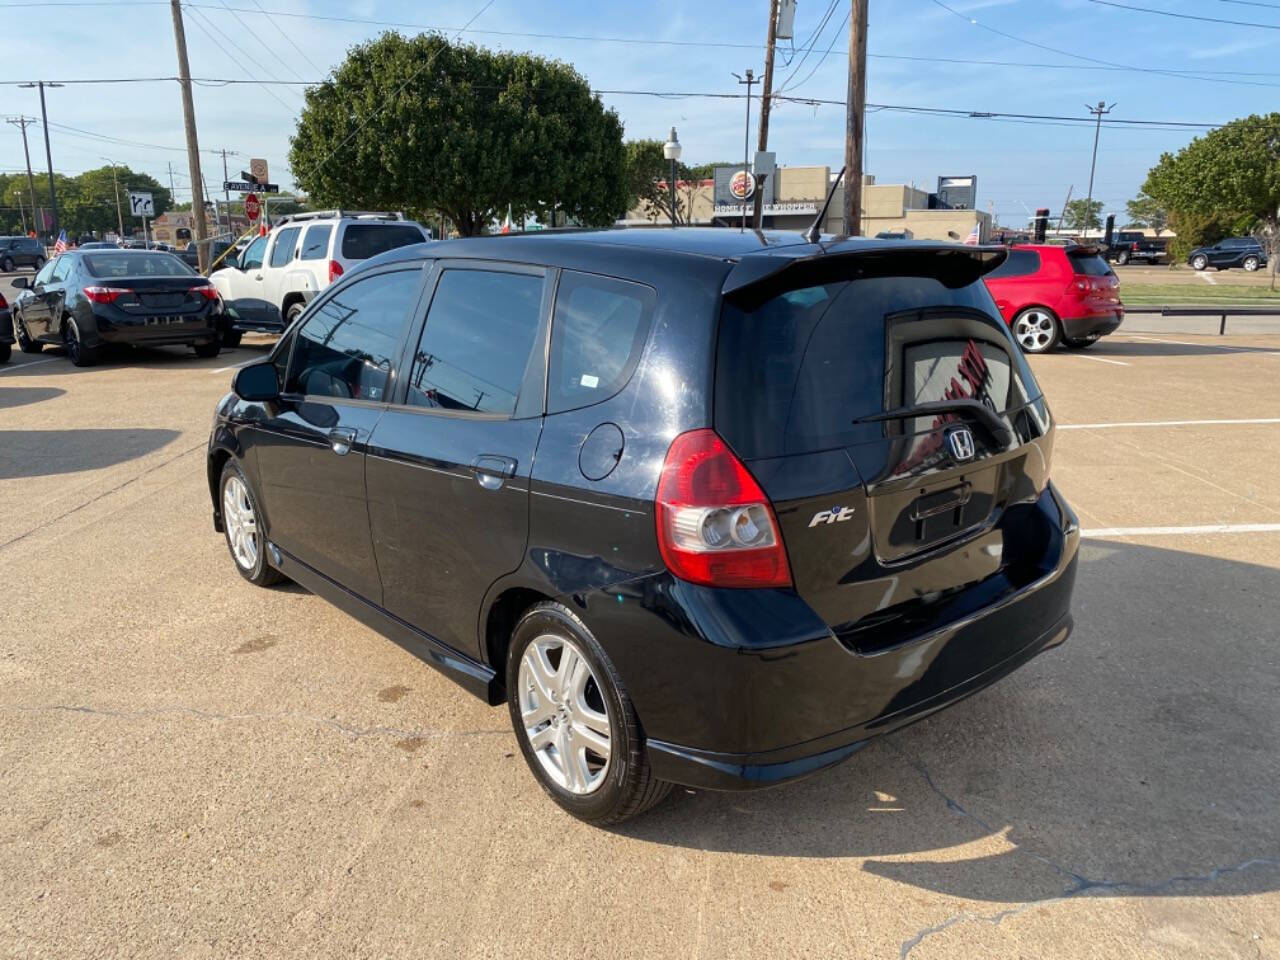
1251,264
25,343
1122,258
1199,262
38,264
7,264
1036,330
77,352
293,312
240,527
581,708
1081,343
231,338
6,351
207,351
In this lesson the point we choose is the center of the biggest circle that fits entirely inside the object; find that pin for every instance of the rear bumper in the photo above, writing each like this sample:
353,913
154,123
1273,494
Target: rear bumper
745,689
121,328
1077,328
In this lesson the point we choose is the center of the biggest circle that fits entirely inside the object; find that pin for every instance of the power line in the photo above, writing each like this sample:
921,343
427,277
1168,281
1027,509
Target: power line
262,43
285,33
232,58
1187,16
810,43
839,31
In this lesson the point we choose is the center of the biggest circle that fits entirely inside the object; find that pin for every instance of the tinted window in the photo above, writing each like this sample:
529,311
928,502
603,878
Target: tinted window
286,240
793,374
348,344
45,273
1019,263
363,240
109,264
476,341
600,327
315,242
1089,264
253,254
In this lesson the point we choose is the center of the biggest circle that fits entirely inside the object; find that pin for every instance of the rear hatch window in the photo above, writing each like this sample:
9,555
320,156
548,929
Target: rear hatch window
360,241
1088,264
894,425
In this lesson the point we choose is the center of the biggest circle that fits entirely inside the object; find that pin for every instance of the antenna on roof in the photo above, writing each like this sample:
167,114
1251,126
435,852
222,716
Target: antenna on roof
815,228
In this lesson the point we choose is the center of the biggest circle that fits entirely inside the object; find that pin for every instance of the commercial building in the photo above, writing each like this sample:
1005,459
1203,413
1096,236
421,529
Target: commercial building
793,196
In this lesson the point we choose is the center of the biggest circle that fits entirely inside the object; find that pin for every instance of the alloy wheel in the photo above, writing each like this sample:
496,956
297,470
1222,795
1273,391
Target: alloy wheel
1034,330
71,338
240,522
1200,263
564,714
1251,264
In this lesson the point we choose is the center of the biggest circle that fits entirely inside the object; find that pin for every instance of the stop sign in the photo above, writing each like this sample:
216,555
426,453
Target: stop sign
251,209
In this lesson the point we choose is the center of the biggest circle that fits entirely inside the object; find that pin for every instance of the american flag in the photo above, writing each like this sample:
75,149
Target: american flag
974,237
61,245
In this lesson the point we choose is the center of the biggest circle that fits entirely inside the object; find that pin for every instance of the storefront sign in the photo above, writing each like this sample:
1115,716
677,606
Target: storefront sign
793,207
734,186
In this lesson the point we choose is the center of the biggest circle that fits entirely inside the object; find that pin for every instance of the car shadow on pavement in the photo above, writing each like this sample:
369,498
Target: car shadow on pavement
1123,349
21,396
46,453
1138,759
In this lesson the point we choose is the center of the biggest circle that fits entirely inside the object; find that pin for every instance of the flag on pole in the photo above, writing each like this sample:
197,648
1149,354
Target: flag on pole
974,237
61,245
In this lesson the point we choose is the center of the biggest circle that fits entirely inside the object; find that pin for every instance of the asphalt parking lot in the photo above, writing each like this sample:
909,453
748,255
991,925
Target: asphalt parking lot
193,767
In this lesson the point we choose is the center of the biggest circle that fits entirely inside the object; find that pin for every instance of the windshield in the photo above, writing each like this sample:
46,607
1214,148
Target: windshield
108,265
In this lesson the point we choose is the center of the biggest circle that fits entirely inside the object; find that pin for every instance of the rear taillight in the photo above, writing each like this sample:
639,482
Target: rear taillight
715,525
1135,245
208,292
105,294
335,270
4,304
1082,285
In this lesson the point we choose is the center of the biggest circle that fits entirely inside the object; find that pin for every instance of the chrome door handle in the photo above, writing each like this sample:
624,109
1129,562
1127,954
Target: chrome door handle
340,440
493,471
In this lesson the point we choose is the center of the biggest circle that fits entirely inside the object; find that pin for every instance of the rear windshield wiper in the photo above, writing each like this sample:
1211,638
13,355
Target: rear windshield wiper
992,421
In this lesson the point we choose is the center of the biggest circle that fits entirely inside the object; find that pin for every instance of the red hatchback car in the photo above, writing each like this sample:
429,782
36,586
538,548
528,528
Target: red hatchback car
1056,294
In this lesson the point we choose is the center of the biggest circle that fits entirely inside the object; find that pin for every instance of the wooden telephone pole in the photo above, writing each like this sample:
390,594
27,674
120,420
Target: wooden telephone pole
193,145
757,212
855,110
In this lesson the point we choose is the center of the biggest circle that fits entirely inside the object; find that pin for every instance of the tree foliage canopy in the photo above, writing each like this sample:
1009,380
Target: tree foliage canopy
647,188
86,202
1074,217
424,125
1147,213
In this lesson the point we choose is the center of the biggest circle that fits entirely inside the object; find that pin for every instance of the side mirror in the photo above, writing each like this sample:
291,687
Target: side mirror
20,283
257,382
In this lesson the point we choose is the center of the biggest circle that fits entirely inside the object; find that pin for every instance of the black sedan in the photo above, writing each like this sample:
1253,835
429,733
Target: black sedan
85,300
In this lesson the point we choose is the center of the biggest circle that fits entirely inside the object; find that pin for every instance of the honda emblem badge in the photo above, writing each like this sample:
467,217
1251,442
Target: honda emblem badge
960,444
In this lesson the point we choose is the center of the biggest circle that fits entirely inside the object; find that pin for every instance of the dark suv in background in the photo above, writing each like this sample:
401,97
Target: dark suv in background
1243,252
701,507
21,252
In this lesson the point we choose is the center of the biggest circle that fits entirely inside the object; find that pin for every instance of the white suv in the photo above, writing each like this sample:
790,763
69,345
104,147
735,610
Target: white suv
276,276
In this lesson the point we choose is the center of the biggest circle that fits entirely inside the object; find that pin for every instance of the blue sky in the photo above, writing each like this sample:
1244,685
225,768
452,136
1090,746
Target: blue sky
1016,163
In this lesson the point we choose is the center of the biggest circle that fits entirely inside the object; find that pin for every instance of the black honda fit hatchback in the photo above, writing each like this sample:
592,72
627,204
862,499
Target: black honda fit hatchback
702,507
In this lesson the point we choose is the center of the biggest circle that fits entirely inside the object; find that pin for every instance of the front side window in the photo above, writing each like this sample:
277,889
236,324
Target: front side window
476,342
597,333
315,242
46,272
61,269
282,252
253,254
347,346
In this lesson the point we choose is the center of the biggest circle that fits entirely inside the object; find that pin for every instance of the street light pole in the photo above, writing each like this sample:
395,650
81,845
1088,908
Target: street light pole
746,141
1099,111
671,150
48,153
115,181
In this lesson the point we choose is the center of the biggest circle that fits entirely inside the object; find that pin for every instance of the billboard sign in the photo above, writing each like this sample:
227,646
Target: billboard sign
733,185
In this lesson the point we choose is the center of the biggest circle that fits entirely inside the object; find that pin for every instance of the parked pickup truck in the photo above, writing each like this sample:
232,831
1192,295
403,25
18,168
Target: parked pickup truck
1135,246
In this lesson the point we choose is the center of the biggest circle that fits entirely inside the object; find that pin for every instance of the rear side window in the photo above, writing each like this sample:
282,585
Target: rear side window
1019,263
1089,264
597,334
315,242
476,342
347,345
282,252
794,374
363,240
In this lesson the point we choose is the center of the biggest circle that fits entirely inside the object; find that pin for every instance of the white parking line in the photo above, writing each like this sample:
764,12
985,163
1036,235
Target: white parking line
1207,279
1106,532
235,366
1085,356
1212,346
1164,423
23,366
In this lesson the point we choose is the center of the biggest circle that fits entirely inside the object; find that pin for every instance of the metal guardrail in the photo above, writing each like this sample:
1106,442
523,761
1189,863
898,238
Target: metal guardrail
1221,310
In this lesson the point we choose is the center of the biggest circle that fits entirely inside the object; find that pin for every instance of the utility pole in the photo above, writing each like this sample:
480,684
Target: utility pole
115,181
48,154
226,193
22,211
193,145
746,141
1099,112
766,92
855,111
173,193
23,122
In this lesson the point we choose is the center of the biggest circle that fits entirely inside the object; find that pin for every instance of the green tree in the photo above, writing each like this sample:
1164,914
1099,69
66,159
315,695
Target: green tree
647,188
422,124
1074,216
1146,213
1235,168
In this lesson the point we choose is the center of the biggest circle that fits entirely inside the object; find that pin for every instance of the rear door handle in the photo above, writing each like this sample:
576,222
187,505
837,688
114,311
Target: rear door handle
492,471
340,440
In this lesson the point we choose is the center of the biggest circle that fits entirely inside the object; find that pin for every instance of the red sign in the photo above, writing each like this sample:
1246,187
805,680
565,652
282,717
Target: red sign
743,185
251,208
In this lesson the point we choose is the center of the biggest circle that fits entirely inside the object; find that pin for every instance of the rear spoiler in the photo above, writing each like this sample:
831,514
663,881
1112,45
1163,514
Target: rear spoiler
760,277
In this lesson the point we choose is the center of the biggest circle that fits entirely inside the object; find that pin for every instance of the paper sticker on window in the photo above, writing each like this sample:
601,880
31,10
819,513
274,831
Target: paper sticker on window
589,381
